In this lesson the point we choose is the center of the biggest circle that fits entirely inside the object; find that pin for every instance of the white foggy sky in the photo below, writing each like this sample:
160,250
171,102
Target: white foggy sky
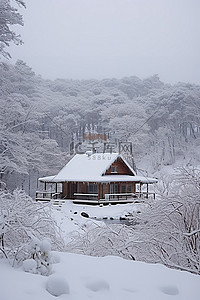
83,39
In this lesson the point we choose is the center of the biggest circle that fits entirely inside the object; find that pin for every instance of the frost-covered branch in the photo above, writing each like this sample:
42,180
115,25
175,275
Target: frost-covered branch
191,233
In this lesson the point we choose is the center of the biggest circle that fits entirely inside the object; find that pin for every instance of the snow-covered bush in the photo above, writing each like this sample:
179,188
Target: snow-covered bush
39,253
57,286
23,220
171,227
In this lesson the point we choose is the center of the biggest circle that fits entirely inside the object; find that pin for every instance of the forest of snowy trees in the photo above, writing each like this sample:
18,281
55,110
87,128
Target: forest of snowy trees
39,116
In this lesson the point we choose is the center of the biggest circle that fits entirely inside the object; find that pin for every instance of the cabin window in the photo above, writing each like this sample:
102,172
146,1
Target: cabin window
114,188
113,170
92,188
123,189
129,189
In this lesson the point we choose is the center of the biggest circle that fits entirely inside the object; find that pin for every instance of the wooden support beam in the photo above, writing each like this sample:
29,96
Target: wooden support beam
56,190
99,191
140,189
147,190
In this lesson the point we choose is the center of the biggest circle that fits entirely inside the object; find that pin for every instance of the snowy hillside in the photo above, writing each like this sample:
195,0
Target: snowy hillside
107,278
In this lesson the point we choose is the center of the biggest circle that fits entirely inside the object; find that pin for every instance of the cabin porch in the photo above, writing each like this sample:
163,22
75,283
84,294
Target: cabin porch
95,192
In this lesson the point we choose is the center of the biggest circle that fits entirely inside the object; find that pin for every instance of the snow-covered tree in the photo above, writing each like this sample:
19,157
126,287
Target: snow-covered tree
23,220
171,226
9,16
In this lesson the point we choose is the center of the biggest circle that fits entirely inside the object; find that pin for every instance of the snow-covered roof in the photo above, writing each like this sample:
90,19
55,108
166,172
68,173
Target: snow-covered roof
92,168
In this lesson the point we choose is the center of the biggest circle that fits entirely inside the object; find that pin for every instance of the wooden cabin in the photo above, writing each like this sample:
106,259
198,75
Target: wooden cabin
96,178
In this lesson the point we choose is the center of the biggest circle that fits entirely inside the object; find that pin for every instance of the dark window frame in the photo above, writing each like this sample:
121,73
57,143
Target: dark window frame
113,169
92,188
123,188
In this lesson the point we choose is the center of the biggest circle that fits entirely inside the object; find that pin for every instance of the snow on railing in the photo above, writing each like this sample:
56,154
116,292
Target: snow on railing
46,195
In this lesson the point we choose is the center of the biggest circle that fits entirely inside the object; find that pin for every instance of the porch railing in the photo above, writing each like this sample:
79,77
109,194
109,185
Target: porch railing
126,196
47,195
52,195
86,196
119,196
145,195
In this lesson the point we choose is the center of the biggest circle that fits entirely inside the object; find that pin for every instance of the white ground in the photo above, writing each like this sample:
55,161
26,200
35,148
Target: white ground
81,277
69,216
107,278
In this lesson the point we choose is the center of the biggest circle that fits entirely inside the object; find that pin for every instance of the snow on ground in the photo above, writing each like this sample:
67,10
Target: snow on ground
69,219
81,277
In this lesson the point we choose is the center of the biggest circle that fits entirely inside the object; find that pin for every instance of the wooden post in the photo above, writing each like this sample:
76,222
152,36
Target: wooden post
102,190
56,190
45,188
99,190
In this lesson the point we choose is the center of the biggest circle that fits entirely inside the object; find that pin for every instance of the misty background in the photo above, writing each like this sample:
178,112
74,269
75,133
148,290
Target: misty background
84,39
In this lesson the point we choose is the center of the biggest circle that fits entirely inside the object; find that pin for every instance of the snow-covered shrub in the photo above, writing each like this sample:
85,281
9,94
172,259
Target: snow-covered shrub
39,257
21,221
57,286
40,253
169,230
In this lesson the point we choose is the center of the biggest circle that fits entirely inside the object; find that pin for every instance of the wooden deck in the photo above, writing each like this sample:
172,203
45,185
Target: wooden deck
112,198
87,201
92,199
